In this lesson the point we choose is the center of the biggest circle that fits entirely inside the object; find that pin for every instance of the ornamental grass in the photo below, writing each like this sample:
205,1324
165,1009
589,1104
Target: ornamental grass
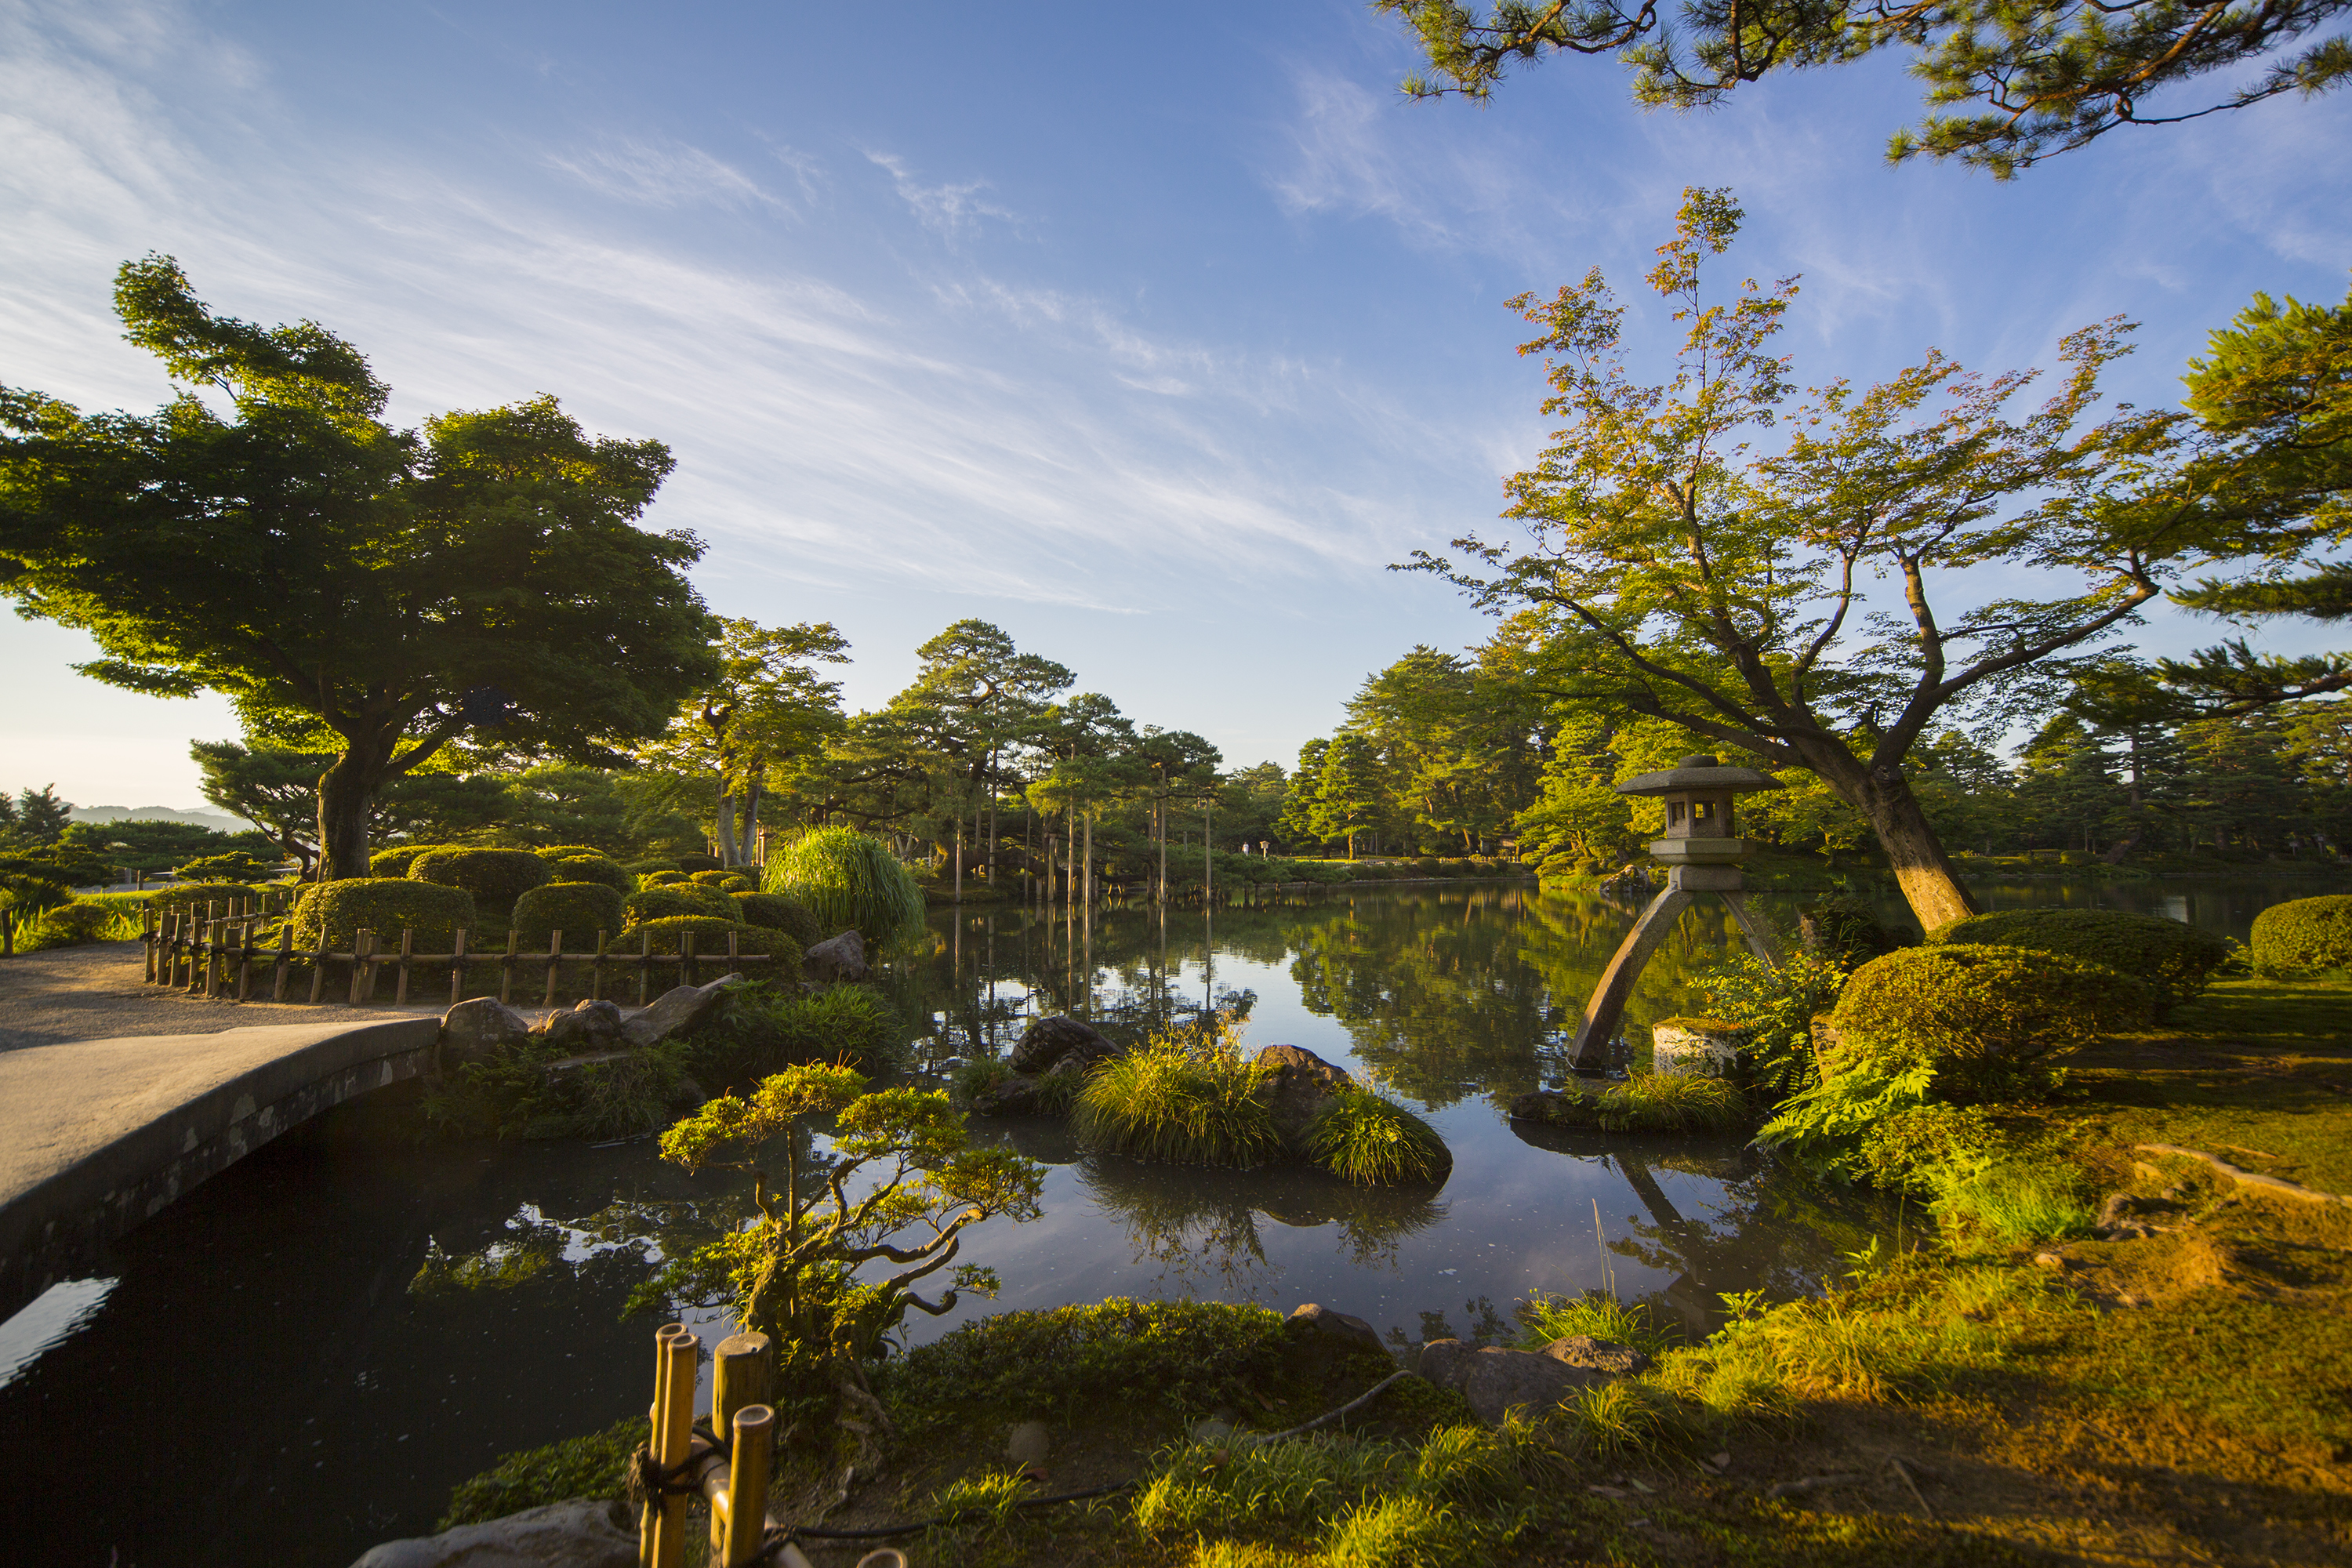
1359,1137
1185,1102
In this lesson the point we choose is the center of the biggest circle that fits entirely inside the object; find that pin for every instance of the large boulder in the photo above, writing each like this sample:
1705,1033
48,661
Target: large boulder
472,1031
1497,1380
836,958
582,1533
1047,1043
591,1027
1316,1321
1298,1086
676,1010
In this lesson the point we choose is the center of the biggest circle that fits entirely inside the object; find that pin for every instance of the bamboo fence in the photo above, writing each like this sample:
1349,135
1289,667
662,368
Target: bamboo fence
216,954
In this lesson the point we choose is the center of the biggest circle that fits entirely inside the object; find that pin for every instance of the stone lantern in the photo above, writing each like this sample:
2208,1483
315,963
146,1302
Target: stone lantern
1702,854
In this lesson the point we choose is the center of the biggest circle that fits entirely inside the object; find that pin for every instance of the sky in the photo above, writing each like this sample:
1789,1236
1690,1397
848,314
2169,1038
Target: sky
1152,334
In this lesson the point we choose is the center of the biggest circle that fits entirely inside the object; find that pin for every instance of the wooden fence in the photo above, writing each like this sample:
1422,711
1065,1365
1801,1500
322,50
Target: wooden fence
215,954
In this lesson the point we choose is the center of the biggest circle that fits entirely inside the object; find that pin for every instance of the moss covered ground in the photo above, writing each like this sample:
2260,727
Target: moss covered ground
2179,1394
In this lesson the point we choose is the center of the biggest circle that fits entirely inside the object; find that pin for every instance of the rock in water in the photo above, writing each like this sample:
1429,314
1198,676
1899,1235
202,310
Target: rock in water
841,957
471,1030
588,1027
581,1533
676,1010
1298,1086
1497,1381
1046,1043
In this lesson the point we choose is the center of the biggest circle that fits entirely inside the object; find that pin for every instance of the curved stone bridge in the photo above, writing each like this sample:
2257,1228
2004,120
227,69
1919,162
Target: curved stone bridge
97,1136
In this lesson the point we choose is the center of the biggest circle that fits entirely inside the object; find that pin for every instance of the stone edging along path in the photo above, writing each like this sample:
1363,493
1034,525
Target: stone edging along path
2244,1177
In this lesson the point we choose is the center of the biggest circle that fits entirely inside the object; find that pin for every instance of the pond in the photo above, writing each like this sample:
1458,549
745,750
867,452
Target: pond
304,1355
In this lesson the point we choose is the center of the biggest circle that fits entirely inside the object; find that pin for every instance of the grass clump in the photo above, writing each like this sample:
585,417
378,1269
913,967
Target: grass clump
1363,1138
1544,1318
844,878
2012,1202
1654,1104
1187,1101
593,1467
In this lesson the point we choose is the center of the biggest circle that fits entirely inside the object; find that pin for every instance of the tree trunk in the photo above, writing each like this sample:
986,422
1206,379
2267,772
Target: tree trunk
723,821
1089,880
345,792
1930,885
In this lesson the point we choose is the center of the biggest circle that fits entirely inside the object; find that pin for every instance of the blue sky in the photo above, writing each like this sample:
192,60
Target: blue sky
1151,333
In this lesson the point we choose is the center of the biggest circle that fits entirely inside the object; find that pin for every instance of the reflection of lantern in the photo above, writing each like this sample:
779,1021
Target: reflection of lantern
1701,855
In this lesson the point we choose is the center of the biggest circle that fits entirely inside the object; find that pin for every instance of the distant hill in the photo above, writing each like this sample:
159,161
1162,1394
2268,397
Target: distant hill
219,821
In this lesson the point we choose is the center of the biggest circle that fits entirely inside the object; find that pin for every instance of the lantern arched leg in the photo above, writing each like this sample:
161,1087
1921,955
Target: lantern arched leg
1589,1053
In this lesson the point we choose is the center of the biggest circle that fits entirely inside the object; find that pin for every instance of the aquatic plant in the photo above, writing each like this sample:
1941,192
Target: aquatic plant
1186,1101
1546,1318
847,878
1363,1137
1652,1103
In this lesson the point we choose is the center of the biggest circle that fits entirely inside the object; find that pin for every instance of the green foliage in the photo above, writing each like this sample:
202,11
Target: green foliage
846,878
1186,1101
151,846
494,878
591,1467
1545,1317
719,878
384,905
1655,1103
1987,1021
697,862
1776,1005
1843,930
195,896
2305,935
514,1093
236,866
777,912
1824,1127
396,861
587,866
1360,1137
579,910
70,925
2174,960
670,899
709,938
1908,1149
767,1026
663,876
2014,1202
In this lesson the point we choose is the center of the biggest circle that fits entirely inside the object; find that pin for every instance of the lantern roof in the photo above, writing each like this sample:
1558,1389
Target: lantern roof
1699,772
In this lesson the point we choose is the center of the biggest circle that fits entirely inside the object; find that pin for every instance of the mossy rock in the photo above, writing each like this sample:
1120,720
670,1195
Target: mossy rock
2172,959
579,910
2305,934
1986,1018
675,899
386,906
495,877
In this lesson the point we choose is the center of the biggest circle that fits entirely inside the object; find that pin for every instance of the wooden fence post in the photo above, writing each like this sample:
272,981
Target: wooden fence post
148,930
407,945
506,966
645,965
285,958
686,958
243,959
457,968
554,961
360,941
596,970
210,944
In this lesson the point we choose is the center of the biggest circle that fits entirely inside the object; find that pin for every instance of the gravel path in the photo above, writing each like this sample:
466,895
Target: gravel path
99,992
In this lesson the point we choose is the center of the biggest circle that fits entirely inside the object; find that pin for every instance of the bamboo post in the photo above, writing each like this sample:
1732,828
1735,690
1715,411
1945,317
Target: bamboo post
597,971
507,966
645,965
400,985
554,960
664,1529
285,959
742,1373
751,1456
319,964
733,957
457,968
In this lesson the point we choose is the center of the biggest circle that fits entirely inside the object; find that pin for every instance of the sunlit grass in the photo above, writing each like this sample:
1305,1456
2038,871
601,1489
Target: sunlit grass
2014,1202
1179,1099
1547,1318
1652,1103
1365,1138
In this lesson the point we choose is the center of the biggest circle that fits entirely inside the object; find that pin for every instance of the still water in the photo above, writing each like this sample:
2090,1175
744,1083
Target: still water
304,1355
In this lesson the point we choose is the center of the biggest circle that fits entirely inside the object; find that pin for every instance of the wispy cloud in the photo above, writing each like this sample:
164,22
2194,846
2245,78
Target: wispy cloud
948,209
666,173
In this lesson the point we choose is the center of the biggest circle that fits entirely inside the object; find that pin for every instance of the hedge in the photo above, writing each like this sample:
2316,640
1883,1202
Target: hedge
579,910
709,939
69,925
679,898
698,863
395,861
669,878
592,868
2172,959
1984,1017
496,878
778,912
2306,933
197,895
384,905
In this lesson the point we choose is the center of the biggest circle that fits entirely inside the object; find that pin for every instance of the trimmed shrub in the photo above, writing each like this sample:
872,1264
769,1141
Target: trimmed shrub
238,866
698,863
1985,1018
846,877
646,867
675,899
709,938
384,905
1164,1102
2308,934
669,877
777,912
714,878
70,925
395,861
580,909
197,895
1361,1138
2172,959
763,1027
566,851
495,877
592,868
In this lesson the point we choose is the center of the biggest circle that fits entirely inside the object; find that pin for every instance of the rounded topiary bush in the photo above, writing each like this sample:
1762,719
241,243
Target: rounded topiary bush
197,895
2172,959
698,863
579,910
495,877
591,866
710,939
71,924
675,899
667,877
2308,934
777,912
396,861
386,906
1986,1018
236,866
846,877
713,878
